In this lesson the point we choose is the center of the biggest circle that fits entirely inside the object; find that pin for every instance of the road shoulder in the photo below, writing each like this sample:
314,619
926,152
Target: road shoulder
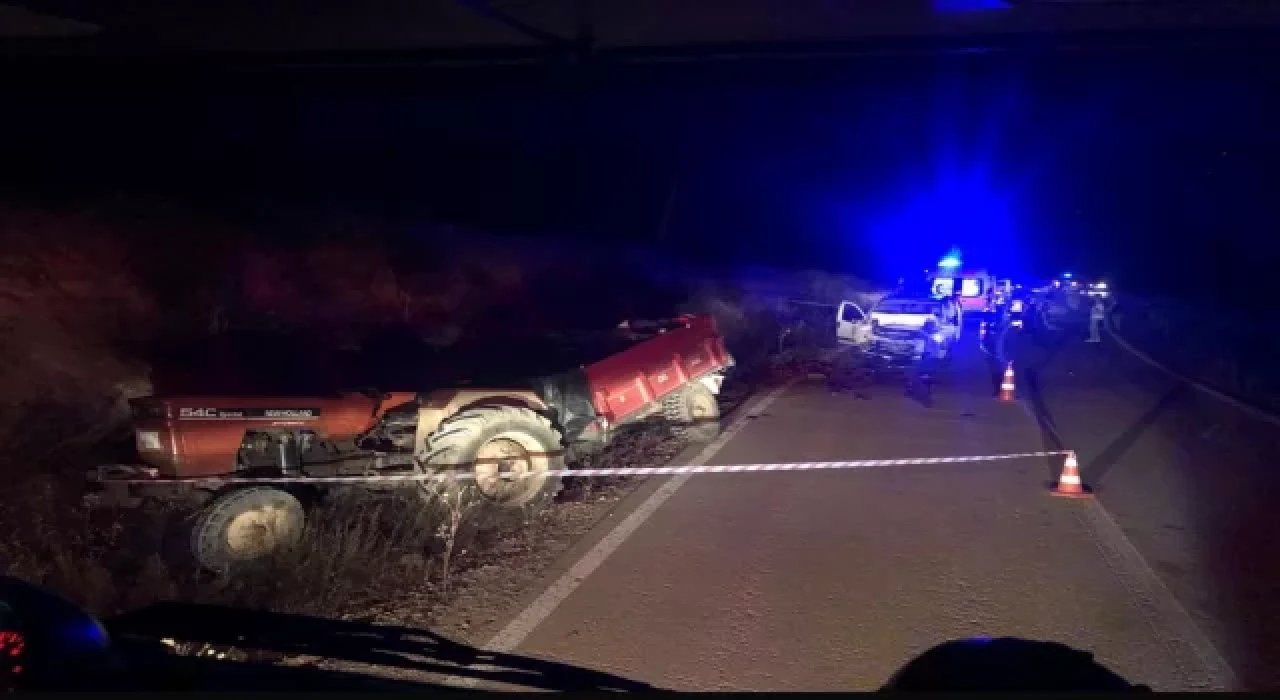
1118,421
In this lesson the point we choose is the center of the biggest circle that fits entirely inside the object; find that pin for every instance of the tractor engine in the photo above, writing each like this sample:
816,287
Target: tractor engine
282,450
301,450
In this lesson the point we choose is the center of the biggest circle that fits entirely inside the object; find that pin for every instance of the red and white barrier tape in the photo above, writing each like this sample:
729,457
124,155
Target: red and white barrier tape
638,471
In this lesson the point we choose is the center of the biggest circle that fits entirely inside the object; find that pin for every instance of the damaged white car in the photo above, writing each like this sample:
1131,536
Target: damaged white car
895,325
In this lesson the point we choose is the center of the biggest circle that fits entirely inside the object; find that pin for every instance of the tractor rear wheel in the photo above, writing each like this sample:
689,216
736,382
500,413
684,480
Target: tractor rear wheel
489,464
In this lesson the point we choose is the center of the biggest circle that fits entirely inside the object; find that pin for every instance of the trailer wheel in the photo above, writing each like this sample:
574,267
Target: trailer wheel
489,459
246,525
693,413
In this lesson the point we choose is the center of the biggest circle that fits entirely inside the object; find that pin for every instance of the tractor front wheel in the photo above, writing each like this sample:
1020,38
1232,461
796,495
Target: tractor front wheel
246,525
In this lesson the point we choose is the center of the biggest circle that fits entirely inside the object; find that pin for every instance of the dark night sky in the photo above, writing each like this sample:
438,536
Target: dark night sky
1155,168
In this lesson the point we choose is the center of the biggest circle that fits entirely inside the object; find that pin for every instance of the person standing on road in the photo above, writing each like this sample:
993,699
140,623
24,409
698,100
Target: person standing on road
1042,317
923,368
1097,314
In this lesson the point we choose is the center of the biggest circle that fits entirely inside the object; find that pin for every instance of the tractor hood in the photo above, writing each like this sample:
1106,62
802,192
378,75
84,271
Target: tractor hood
351,411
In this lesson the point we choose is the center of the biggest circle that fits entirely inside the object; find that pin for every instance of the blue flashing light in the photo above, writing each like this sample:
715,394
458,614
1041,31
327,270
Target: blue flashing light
938,209
1066,275
948,262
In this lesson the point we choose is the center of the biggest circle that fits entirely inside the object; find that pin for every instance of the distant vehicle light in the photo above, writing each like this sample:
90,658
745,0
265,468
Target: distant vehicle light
937,337
1066,275
1100,285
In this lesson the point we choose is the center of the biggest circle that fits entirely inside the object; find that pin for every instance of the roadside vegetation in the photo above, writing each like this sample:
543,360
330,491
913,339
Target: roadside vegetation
103,305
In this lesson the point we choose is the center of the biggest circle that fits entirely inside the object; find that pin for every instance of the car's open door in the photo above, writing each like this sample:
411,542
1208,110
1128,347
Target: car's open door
853,326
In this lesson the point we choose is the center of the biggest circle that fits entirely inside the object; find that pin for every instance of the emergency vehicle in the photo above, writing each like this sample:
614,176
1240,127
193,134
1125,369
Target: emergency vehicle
976,290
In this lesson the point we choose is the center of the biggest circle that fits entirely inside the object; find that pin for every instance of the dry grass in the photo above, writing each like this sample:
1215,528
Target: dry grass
359,549
111,560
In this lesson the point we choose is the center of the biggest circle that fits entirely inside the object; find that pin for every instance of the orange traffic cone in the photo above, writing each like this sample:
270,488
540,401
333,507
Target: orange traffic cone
1069,483
1006,384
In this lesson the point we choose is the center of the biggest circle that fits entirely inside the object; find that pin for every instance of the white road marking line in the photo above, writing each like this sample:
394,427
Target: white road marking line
545,604
1169,620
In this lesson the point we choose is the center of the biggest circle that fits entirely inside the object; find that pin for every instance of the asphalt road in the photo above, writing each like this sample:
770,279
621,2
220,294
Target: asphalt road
832,580
1191,480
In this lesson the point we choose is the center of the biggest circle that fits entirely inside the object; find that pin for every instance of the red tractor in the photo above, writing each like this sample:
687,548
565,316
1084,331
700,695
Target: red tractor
223,448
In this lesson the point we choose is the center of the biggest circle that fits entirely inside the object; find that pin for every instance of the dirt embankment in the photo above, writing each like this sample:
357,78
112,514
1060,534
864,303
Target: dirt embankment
96,308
